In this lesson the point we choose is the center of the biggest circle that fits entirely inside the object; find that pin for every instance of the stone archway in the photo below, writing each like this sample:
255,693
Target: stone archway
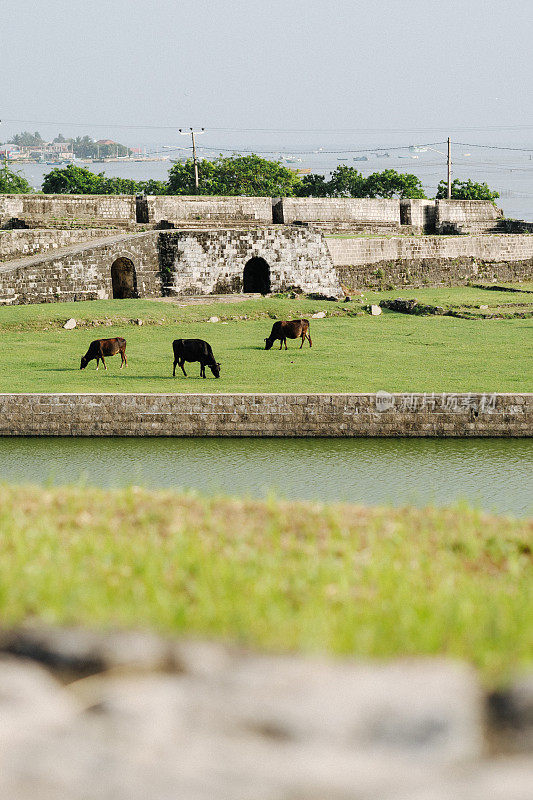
256,276
123,279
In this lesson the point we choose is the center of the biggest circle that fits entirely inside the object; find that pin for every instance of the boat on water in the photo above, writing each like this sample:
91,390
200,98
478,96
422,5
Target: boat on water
382,155
360,158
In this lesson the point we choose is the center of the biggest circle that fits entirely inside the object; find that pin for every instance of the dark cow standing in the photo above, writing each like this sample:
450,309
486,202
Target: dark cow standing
289,330
194,350
105,347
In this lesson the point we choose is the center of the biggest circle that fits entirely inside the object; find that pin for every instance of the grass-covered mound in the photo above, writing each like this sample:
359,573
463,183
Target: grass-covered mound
276,575
352,351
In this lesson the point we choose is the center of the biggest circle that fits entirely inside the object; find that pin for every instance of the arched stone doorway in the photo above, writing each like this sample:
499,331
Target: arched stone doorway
123,279
256,276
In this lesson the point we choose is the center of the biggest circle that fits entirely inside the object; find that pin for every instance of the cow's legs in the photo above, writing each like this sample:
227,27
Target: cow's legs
103,362
285,340
124,361
174,370
309,337
97,362
181,362
202,370
303,340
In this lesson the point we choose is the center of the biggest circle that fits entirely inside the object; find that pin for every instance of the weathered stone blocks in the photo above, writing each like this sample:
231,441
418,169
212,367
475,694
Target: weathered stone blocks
267,415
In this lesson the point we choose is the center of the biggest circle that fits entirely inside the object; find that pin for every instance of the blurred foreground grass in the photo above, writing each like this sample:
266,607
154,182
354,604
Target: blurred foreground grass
368,582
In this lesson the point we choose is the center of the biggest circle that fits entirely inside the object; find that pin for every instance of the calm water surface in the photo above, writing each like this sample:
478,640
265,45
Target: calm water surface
493,474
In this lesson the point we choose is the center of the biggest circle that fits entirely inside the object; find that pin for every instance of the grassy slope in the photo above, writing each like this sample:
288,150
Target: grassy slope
454,296
370,582
393,352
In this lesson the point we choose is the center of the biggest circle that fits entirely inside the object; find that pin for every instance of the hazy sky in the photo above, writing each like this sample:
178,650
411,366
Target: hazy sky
247,64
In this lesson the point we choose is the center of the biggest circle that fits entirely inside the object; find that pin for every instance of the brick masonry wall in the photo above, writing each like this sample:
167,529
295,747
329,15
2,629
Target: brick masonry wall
184,209
58,208
212,262
414,261
21,243
335,415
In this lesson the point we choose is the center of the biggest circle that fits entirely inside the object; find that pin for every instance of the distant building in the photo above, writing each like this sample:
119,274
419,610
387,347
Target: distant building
53,151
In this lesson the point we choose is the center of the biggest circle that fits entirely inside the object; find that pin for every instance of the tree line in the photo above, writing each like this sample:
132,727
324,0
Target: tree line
248,175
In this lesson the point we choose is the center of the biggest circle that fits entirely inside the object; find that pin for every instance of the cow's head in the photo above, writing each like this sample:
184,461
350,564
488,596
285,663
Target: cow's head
84,362
215,369
268,343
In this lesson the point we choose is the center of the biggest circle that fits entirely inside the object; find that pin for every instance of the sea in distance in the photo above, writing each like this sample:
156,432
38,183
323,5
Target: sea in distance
508,172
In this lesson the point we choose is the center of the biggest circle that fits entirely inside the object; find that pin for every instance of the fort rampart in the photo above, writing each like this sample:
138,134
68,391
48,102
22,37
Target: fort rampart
16,244
334,415
449,260
38,210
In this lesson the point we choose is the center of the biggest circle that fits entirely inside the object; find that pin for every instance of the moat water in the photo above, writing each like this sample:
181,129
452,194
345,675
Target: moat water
492,474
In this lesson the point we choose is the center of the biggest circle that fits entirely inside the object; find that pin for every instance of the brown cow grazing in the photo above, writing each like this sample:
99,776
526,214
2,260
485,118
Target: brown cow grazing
289,330
105,347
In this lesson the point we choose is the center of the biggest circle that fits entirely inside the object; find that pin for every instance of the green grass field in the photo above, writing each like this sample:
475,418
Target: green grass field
368,582
352,351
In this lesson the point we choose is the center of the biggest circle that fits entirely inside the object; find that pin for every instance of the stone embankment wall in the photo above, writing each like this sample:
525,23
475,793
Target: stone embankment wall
66,209
213,262
20,243
380,414
81,272
434,260
131,716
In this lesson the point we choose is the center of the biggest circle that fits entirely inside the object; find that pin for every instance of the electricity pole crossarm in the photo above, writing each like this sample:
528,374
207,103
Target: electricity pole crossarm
449,161
195,160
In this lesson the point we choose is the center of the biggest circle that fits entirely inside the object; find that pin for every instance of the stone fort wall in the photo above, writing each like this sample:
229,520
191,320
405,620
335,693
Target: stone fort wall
39,210
333,415
20,243
434,260
66,209
173,262
213,262
81,273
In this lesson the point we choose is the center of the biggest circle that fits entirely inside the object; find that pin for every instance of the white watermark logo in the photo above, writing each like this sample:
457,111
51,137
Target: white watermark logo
384,401
432,401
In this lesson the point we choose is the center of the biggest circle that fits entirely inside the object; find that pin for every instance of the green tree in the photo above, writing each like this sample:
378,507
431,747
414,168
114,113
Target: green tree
73,180
13,183
26,139
152,187
249,175
467,190
390,183
313,185
77,180
347,182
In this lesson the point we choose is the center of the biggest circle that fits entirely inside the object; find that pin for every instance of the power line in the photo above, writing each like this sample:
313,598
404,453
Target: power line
273,130
319,152
496,147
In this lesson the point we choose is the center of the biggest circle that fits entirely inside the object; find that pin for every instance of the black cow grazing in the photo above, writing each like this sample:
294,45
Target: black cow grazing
105,347
194,350
289,330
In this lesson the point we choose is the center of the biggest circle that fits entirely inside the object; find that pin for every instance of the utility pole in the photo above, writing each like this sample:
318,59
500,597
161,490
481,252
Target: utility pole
195,160
449,193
